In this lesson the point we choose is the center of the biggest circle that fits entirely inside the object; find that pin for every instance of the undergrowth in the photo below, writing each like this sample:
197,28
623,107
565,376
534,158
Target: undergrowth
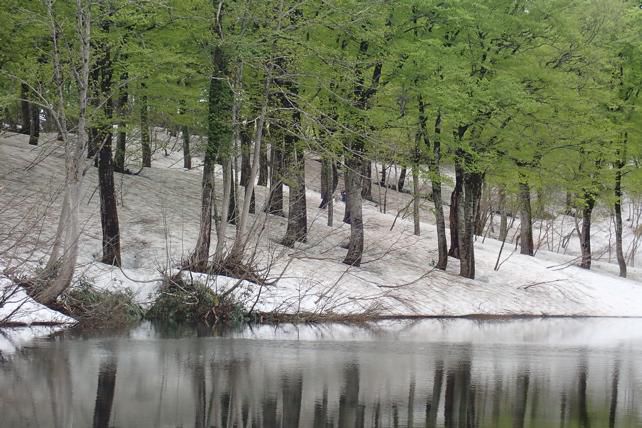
180,300
98,308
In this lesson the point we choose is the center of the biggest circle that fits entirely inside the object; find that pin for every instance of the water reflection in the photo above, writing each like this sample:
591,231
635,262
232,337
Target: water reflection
426,374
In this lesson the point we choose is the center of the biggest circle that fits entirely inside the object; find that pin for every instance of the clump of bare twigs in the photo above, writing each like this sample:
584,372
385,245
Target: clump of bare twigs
99,308
182,300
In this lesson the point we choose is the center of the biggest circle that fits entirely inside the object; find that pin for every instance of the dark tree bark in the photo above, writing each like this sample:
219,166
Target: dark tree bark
455,200
108,207
121,137
297,230
354,206
434,168
275,197
384,170
329,181
263,166
585,235
105,394
25,109
187,155
232,212
402,179
526,221
472,189
218,131
34,130
434,165
617,206
366,189
145,138
246,165
354,152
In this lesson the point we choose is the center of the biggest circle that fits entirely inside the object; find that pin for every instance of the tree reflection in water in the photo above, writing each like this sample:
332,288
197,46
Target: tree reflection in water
194,379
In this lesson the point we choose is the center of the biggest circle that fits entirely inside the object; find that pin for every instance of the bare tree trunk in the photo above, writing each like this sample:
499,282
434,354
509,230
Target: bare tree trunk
402,179
200,257
25,109
108,208
73,157
585,235
455,201
416,199
246,165
121,138
263,166
617,206
329,181
354,208
472,189
34,130
275,196
332,177
297,229
503,224
145,139
435,173
526,222
187,155
242,235
366,189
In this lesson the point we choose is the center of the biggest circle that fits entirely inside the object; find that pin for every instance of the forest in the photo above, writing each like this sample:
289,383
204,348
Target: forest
467,126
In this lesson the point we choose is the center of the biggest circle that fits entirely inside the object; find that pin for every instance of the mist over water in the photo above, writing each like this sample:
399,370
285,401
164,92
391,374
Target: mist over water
430,373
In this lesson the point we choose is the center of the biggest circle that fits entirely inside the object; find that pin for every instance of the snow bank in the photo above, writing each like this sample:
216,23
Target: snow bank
159,219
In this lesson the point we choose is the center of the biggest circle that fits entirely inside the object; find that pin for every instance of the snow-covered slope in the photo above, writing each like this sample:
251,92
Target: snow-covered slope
159,212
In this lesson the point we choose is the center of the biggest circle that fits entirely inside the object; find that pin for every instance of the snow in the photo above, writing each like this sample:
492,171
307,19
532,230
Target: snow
159,218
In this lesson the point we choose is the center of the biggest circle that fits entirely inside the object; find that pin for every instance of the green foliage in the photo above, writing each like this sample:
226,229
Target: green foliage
191,301
94,307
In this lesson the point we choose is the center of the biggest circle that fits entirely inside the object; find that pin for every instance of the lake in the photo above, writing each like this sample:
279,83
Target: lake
555,372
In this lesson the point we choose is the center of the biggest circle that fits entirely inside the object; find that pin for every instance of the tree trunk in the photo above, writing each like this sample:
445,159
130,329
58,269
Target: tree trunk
503,223
297,230
472,187
246,165
329,181
187,155
366,189
145,139
434,166
275,197
346,195
402,179
585,235
617,206
416,199
455,200
218,133
34,129
526,222
232,211
69,219
332,181
354,208
263,166
121,137
108,208
25,108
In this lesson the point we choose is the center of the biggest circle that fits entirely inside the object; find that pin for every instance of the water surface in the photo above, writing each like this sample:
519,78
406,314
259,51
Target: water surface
431,373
